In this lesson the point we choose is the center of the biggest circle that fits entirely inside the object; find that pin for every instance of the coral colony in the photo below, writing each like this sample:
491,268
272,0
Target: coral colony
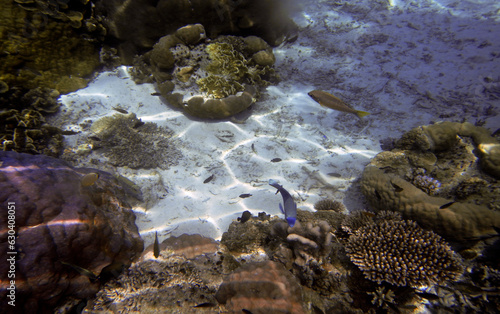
411,229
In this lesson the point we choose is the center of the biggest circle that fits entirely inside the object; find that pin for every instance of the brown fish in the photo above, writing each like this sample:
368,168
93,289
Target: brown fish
156,246
89,179
328,100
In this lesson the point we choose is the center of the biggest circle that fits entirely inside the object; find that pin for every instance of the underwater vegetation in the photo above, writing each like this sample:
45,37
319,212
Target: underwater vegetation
221,76
68,231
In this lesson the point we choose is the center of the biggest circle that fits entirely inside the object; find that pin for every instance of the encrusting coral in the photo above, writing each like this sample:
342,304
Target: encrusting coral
403,254
427,179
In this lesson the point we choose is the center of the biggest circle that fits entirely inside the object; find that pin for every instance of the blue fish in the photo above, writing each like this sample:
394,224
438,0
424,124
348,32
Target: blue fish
289,208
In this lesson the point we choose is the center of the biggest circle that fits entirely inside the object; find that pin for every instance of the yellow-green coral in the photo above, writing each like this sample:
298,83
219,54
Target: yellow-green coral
226,61
41,52
218,86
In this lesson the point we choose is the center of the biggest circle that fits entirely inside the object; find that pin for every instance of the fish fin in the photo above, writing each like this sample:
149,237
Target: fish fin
281,208
361,114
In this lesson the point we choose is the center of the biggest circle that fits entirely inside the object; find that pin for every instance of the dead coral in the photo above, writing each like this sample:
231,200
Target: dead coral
261,287
127,141
401,253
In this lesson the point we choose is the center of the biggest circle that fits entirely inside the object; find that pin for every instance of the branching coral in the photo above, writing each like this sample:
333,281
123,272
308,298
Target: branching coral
401,253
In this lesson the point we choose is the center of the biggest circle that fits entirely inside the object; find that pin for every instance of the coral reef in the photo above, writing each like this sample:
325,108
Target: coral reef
188,246
39,51
139,24
169,284
61,225
221,76
428,178
401,253
306,268
26,132
261,287
122,136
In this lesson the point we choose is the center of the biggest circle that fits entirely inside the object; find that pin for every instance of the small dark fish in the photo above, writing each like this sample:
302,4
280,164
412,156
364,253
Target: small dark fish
245,216
209,179
138,123
245,311
446,205
206,304
397,188
89,179
69,132
156,246
289,208
94,138
245,195
377,194
120,110
155,94
82,271
253,149
276,160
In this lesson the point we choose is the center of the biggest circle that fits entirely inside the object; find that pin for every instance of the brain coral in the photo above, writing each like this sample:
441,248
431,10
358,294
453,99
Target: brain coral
58,219
261,287
403,254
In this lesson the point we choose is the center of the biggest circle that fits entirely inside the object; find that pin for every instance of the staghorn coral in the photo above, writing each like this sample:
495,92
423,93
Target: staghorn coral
261,287
403,254
57,219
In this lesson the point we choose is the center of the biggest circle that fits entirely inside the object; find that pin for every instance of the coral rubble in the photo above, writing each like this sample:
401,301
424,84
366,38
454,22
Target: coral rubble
122,137
62,227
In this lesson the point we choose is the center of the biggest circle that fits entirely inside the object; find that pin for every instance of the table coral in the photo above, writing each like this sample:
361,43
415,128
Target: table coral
261,287
59,220
403,254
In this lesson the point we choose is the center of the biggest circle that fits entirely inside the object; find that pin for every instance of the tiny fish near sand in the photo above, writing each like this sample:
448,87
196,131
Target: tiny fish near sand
328,100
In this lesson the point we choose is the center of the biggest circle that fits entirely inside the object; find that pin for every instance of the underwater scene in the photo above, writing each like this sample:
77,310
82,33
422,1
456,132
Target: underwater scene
250,156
